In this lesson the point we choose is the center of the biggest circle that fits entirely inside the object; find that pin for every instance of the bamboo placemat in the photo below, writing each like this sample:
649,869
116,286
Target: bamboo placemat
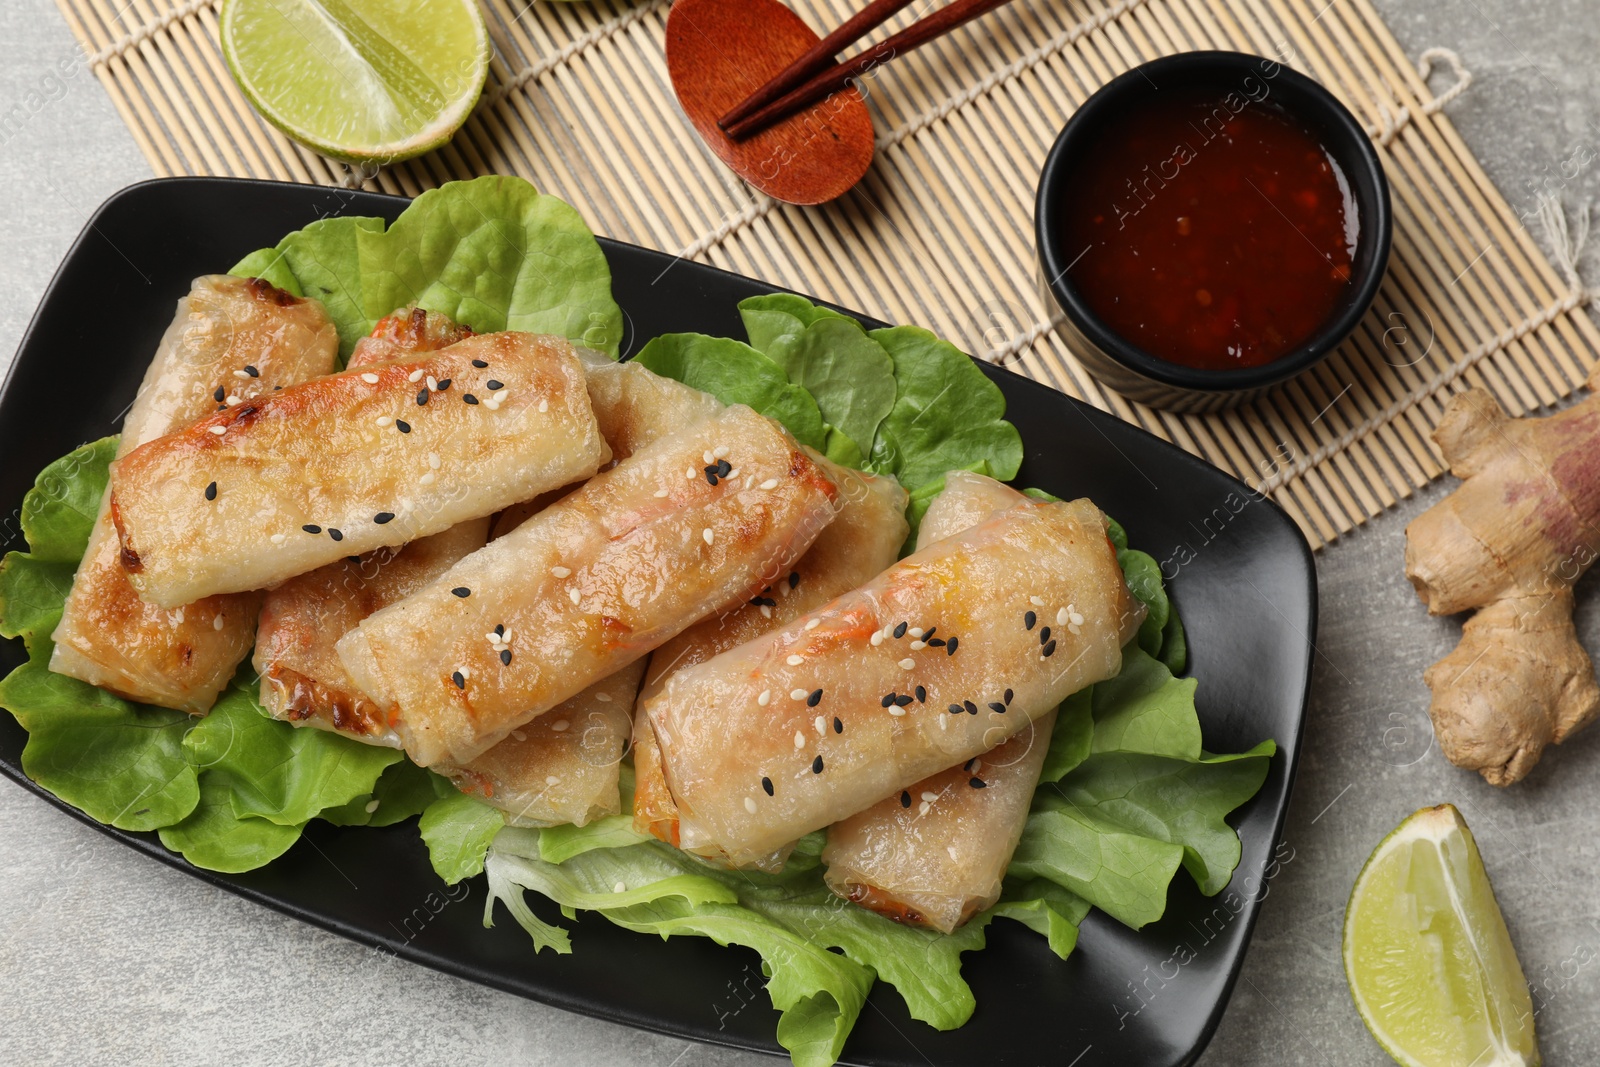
940,233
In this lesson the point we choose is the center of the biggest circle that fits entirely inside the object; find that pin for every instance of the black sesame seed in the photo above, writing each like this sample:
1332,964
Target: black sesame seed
888,699
402,425
816,765
1049,650
814,699
1029,619
903,699
248,369
1008,696
1044,635
492,385
766,783
978,783
505,656
970,764
950,649
905,799
352,559
382,517
500,628
972,709
711,476
480,364
997,707
462,591
311,528
220,395
422,397
900,631
724,468
277,388
337,535
956,709
794,579
222,407
469,398
929,632
444,383
461,682
838,725
935,642
922,695
211,491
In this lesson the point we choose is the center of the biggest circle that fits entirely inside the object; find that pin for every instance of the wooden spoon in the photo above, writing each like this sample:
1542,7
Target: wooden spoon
721,51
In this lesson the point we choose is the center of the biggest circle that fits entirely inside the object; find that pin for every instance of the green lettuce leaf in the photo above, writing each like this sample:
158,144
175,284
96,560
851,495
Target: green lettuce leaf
218,839
1045,908
58,514
735,373
457,830
492,253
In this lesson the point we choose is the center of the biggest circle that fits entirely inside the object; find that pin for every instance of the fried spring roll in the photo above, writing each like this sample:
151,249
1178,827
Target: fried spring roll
857,545
591,584
355,461
799,729
563,766
935,853
302,680
232,341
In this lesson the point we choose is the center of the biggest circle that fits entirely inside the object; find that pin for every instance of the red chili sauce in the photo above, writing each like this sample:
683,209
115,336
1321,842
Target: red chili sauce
1216,232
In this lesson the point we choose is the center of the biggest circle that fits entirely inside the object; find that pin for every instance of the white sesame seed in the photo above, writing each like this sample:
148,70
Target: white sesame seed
925,807
371,806
907,663
944,722
1062,617
177,616
620,887
544,404
951,849
492,403
216,623
821,724
917,646
750,481
560,725
765,698
219,430
426,479
278,539
915,631
770,483
877,637
383,420
465,673
604,698
501,395
896,710
750,805
433,461
519,735
708,456
233,401
707,535
560,572
492,637
977,765
551,779
929,797
433,383
1077,620
813,624
797,694
1074,629
720,452
662,493
416,375
799,739
370,378
1036,601
241,374
732,474
574,596
766,612
689,474
795,661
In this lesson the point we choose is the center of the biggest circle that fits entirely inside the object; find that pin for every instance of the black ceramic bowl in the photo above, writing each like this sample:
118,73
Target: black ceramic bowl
1124,366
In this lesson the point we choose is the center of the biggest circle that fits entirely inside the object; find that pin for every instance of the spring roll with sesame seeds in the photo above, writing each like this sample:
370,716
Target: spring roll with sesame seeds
796,730
232,340
935,853
858,544
564,766
368,458
592,583
302,680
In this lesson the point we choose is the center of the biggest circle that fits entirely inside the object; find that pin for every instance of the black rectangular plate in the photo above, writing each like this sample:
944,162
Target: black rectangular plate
1241,574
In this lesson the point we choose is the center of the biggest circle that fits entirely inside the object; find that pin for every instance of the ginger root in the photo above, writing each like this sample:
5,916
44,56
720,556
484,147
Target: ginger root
1510,542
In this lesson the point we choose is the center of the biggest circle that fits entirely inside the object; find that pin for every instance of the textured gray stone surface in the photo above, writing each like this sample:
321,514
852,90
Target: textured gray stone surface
106,957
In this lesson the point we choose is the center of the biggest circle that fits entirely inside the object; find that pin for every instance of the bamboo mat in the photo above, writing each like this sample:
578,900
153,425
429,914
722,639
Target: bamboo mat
940,232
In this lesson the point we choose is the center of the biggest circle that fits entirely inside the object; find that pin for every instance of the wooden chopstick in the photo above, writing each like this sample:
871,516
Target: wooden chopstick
832,78
819,56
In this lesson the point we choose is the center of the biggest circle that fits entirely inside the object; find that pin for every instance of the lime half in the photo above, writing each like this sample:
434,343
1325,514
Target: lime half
1427,955
365,81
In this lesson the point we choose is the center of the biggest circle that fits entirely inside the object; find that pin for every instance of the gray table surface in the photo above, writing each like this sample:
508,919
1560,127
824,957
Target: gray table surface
106,957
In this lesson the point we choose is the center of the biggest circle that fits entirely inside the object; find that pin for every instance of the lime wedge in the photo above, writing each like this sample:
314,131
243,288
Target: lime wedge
1427,955
364,81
